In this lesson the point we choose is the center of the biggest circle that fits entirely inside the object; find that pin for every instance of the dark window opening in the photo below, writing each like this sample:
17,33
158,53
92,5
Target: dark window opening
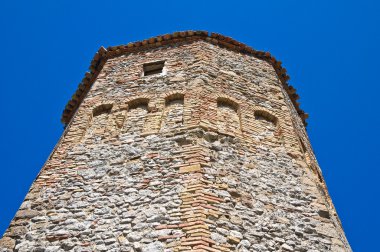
324,214
153,68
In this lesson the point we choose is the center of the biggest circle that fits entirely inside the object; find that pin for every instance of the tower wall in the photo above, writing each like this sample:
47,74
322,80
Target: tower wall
208,156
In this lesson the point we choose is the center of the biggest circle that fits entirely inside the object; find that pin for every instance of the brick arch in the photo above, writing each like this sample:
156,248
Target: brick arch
173,96
270,113
102,108
230,102
269,116
166,97
136,101
227,98
116,112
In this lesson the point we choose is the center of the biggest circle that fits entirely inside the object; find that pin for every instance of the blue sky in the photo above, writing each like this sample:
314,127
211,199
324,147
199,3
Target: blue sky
330,48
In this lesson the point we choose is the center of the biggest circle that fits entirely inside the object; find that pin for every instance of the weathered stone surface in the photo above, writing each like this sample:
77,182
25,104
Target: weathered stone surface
17,231
209,155
7,243
153,247
134,236
26,214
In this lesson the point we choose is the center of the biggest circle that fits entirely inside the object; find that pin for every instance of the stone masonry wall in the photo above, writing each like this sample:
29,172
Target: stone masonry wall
208,156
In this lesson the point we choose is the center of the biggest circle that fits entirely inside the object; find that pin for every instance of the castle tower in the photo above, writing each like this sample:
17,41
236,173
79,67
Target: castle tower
184,142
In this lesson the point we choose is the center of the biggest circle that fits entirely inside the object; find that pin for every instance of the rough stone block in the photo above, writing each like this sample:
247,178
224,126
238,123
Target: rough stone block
190,168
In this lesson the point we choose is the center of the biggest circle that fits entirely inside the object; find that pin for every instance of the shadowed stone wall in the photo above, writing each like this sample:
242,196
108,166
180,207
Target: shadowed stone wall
208,156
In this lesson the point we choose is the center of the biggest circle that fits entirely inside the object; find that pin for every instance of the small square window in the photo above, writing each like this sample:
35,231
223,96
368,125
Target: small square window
153,68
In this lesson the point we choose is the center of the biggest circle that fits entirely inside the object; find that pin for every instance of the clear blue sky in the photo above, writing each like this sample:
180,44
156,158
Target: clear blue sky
330,48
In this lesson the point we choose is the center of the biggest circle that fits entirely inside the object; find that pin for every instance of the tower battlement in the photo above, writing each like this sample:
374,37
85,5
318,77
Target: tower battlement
183,142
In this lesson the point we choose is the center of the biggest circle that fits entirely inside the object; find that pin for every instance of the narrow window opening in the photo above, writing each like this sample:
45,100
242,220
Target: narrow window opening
153,68
324,214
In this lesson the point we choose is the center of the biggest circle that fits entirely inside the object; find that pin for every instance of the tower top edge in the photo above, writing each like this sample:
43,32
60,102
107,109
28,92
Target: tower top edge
103,54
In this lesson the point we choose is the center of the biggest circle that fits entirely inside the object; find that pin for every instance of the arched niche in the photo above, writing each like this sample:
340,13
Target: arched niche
173,112
136,116
228,116
99,122
266,124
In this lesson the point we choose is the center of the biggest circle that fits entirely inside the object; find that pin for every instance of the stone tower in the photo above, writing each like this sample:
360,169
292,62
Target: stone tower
189,141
